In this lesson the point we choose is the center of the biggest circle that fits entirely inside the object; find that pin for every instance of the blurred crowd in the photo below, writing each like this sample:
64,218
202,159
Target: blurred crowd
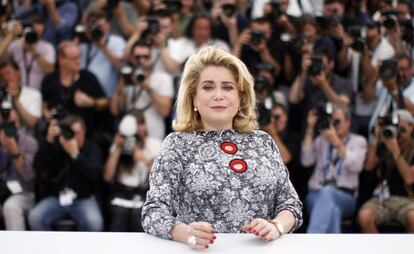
87,92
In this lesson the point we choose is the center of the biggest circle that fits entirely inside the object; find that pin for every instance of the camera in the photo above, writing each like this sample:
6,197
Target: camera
256,37
3,93
264,111
407,29
128,129
7,126
80,32
330,21
356,33
96,32
59,113
3,7
261,84
132,75
388,69
389,125
229,9
324,114
276,11
30,36
391,20
316,66
173,6
295,45
153,25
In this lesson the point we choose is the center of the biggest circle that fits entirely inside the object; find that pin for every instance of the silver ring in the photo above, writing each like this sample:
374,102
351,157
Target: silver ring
192,240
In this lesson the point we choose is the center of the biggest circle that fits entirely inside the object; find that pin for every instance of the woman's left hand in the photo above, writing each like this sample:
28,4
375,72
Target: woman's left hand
263,229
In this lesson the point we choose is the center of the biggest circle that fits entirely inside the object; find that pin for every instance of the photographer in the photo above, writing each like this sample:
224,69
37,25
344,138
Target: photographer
127,169
395,87
102,53
25,100
317,83
122,15
282,23
35,56
60,17
144,89
391,155
228,21
77,91
256,45
17,150
338,156
67,166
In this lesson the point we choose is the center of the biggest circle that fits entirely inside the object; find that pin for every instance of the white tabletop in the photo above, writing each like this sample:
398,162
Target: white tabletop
30,242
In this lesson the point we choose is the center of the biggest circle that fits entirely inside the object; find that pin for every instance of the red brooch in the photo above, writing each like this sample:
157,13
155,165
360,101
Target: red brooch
228,147
238,165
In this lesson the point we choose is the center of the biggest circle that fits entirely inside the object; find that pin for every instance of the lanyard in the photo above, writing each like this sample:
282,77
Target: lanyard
89,56
135,96
27,66
333,161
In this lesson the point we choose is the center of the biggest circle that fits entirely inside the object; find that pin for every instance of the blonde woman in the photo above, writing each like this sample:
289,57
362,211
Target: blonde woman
217,173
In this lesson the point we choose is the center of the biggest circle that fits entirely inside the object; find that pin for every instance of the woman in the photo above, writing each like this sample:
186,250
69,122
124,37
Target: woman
216,173
126,169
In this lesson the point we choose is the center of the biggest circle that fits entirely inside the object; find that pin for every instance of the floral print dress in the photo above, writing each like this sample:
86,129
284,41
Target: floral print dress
222,177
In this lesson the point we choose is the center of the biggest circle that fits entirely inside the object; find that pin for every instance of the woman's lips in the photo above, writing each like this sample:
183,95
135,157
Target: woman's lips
218,108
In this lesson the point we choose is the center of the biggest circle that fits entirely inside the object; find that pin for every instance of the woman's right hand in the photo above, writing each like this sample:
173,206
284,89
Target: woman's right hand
198,235
53,131
201,235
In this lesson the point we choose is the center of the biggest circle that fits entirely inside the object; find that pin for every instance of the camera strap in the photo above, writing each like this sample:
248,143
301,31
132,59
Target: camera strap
135,96
91,54
334,161
28,65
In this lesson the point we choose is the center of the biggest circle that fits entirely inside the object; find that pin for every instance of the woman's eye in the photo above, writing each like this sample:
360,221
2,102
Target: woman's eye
228,88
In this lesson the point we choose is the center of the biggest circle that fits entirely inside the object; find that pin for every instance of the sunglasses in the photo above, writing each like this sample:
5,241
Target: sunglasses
145,57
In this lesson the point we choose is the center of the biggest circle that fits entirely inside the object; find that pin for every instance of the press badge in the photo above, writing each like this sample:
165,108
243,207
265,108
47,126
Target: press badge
66,197
14,186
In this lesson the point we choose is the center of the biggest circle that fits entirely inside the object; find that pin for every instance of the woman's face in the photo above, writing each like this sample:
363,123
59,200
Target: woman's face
217,98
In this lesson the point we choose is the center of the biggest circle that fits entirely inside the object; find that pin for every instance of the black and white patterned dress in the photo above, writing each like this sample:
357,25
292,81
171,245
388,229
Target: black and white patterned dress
221,177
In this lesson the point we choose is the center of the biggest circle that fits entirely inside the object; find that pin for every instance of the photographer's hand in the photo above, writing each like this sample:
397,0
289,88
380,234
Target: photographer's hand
9,144
392,146
13,89
320,80
53,131
83,100
70,146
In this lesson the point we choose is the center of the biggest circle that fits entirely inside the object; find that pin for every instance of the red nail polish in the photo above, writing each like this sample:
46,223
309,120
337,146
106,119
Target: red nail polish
206,246
214,237
249,228
211,241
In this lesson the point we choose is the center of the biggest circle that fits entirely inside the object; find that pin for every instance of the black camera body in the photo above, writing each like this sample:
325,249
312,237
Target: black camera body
264,111
316,66
229,9
390,20
295,46
30,36
173,6
356,33
256,37
276,11
407,29
7,126
80,33
261,84
128,149
389,125
324,114
96,32
153,25
59,113
388,69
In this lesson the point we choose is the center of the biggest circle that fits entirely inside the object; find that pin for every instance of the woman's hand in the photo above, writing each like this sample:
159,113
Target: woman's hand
263,229
201,235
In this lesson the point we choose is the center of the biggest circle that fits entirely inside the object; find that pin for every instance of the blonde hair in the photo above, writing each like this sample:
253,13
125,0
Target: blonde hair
186,118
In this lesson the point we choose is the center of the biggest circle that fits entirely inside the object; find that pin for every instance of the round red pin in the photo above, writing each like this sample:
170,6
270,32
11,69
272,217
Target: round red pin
238,165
